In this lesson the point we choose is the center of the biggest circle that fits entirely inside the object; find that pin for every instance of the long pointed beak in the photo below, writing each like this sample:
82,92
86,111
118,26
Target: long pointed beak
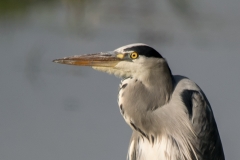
108,59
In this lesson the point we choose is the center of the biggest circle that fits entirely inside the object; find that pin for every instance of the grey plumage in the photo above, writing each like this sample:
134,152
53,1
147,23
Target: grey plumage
170,116
185,125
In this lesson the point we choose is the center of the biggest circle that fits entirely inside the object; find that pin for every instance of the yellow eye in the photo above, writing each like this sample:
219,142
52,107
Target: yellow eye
134,55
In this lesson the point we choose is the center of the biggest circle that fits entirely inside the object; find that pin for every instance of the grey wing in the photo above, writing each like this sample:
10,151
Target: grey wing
200,113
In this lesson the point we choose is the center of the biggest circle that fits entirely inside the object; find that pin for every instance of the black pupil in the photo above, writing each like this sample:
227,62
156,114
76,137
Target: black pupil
134,55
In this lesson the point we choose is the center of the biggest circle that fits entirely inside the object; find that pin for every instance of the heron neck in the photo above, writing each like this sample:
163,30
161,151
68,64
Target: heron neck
160,81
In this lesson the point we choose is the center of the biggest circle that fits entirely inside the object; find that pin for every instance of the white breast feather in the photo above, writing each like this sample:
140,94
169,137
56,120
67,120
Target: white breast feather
156,151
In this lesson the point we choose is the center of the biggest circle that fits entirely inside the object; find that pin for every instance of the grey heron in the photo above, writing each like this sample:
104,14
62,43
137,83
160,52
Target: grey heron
170,116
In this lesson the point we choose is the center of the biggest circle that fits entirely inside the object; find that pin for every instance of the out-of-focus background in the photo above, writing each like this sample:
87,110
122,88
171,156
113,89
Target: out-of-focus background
58,112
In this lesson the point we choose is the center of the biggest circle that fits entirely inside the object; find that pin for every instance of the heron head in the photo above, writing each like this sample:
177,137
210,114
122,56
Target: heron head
127,61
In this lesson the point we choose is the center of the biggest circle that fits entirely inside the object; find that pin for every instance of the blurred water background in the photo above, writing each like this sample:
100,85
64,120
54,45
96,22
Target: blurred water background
57,112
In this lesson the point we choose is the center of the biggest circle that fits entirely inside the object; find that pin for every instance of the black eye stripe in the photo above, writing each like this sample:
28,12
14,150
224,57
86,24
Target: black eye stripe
145,51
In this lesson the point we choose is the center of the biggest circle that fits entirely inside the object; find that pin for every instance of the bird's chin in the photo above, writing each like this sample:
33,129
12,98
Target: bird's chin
110,70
